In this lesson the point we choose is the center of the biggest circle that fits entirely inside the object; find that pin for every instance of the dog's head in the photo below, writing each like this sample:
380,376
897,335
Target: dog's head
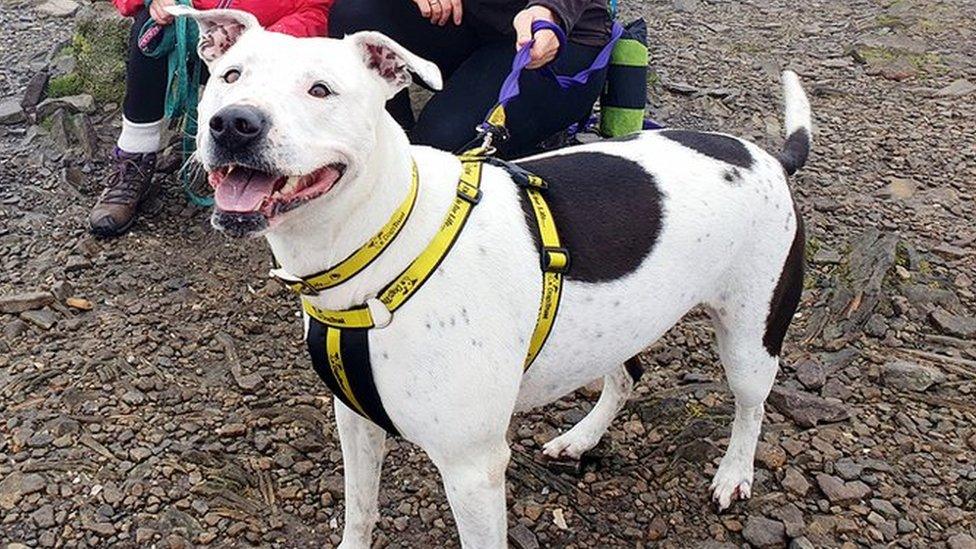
285,124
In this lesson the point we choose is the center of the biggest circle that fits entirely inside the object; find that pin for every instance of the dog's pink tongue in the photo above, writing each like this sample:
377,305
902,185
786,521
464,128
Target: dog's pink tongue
244,190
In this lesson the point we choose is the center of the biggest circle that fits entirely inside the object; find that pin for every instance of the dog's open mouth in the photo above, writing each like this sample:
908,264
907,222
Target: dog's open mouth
240,190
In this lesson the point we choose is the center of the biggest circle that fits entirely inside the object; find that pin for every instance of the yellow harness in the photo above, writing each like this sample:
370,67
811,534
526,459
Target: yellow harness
334,366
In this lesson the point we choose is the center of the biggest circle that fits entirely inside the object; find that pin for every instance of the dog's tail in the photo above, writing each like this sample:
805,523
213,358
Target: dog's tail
798,125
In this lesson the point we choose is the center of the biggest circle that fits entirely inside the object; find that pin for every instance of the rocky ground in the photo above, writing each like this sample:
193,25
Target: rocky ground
154,389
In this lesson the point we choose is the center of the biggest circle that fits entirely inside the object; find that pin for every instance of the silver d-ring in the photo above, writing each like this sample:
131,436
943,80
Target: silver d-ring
382,317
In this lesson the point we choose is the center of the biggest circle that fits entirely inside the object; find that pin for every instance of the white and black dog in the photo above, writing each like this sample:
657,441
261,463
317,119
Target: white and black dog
300,150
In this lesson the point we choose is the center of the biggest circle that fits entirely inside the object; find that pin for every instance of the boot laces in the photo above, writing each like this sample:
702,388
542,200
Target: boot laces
126,184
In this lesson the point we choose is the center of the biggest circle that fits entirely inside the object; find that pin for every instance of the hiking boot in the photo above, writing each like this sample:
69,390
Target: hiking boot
126,189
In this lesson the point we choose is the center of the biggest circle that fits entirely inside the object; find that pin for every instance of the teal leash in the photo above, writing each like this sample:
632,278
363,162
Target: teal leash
176,42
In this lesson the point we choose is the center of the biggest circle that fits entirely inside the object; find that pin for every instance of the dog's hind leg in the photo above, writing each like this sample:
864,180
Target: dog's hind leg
750,372
474,479
750,319
617,388
363,447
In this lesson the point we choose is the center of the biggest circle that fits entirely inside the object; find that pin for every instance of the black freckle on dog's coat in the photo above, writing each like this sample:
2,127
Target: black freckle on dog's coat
720,147
786,296
733,176
607,211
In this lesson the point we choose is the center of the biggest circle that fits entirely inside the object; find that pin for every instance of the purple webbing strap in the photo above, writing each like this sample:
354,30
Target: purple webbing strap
510,88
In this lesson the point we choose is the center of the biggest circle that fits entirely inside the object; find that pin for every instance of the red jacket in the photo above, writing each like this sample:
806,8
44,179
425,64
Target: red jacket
295,17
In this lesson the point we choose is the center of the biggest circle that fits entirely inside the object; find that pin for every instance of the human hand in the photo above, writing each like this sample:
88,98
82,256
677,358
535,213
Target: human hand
440,11
157,10
546,43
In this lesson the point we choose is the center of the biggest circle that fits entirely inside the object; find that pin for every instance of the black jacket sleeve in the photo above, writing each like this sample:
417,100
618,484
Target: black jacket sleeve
569,11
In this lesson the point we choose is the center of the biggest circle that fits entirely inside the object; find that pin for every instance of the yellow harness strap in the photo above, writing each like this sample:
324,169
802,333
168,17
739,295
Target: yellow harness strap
555,261
333,352
397,292
366,254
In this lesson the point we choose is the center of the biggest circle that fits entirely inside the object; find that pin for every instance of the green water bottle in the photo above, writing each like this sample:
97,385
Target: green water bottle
625,94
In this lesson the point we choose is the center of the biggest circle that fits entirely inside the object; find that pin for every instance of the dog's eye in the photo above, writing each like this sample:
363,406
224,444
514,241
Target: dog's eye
231,76
320,91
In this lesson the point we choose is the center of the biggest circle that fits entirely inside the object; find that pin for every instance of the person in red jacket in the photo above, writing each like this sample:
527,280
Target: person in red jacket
131,183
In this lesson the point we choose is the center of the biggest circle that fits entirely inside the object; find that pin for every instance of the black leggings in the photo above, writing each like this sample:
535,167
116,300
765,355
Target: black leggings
145,79
474,64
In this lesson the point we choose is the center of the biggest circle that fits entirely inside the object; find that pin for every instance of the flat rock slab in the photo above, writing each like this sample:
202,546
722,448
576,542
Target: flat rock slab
806,409
44,318
82,103
27,301
890,42
763,532
958,88
792,519
954,325
838,491
811,374
11,112
909,376
35,90
523,538
58,8
962,541
794,481
16,485
899,188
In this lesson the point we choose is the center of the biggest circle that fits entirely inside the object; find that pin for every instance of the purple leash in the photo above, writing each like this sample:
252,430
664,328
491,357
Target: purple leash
493,128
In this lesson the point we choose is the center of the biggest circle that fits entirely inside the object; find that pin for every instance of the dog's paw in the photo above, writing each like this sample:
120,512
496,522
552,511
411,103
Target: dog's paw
731,482
570,445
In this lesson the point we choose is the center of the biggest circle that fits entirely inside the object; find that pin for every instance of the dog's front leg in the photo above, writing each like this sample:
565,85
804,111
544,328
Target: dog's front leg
363,447
617,387
474,479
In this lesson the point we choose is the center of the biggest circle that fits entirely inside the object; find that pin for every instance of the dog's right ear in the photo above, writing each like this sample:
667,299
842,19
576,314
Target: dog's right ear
393,63
219,29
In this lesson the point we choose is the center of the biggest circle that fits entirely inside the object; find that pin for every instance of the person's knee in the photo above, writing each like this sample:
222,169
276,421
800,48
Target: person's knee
138,21
348,16
441,132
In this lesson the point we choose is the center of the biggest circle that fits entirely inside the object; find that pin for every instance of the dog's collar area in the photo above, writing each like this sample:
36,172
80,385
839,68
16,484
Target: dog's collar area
402,288
357,260
555,260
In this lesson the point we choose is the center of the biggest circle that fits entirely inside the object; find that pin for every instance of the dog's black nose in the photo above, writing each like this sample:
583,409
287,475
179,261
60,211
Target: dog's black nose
238,126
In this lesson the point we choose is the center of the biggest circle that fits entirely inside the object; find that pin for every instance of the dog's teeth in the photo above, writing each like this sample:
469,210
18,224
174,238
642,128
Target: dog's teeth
291,185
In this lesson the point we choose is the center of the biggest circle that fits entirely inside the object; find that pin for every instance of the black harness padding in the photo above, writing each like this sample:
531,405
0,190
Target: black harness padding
354,346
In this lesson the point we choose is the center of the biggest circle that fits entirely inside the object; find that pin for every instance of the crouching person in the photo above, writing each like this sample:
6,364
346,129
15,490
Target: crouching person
131,182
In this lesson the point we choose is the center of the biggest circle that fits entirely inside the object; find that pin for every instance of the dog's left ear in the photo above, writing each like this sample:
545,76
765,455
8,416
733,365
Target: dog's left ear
219,29
392,62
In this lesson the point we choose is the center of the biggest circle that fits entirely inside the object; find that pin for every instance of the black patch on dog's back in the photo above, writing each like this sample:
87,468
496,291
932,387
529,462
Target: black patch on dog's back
786,296
720,147
607,210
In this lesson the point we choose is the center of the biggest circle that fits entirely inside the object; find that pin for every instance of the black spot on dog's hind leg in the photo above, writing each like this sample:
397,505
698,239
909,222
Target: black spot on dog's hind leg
786,296
634,368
